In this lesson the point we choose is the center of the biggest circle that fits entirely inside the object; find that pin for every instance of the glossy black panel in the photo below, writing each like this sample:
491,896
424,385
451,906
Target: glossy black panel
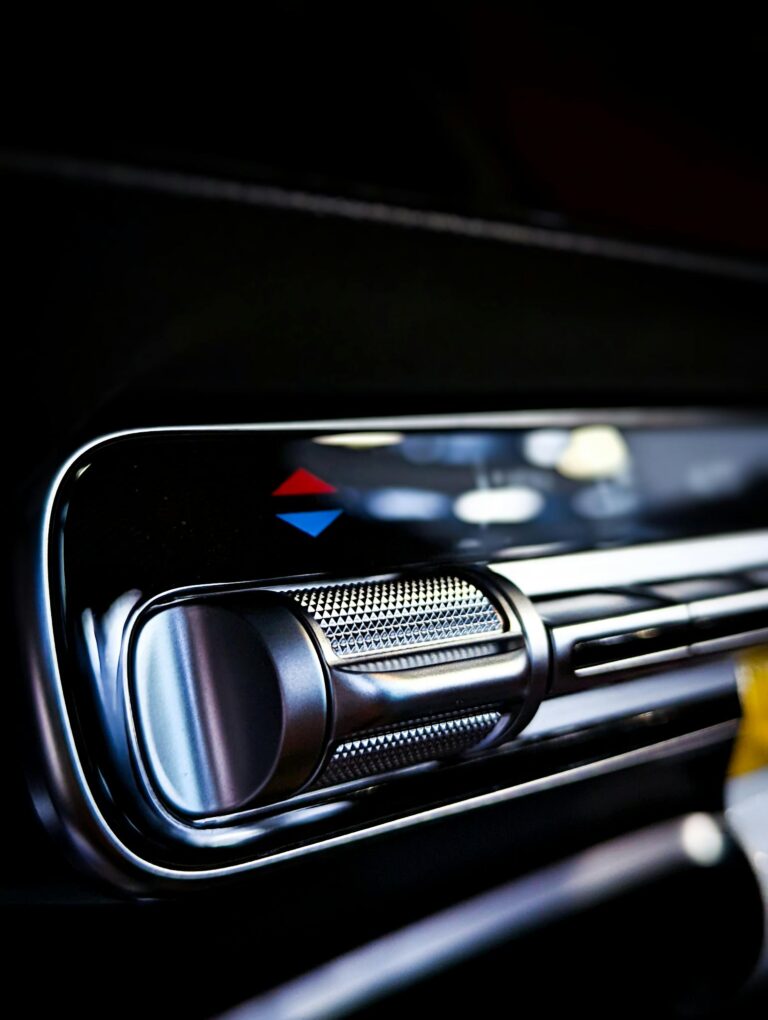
150,513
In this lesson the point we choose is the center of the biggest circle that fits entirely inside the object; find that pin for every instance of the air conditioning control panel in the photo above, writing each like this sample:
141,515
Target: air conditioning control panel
255,642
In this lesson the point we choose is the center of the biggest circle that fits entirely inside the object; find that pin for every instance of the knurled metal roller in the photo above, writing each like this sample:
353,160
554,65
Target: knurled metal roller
243,698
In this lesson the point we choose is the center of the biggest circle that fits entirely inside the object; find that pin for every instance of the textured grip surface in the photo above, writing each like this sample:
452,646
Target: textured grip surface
377,751
394,616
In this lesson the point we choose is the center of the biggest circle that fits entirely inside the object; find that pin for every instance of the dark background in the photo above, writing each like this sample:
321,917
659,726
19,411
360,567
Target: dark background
642,128
146,302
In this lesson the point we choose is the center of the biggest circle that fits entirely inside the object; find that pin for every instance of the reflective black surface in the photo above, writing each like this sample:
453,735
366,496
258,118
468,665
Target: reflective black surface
150,513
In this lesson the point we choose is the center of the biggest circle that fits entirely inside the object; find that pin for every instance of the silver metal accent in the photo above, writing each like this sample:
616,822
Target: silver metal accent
421,740
729,607
218,725
680,621
681,685
711,736
640,564
371,699
567,637
431,657
368,618
633,662
267,703
730,643
366,700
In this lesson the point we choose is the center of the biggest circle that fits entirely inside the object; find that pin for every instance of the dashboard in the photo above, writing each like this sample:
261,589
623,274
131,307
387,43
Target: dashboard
389,604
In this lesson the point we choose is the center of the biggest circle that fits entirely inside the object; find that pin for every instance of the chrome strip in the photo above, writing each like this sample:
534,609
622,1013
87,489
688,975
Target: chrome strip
708,737
634,662
654,561
680,686
567,638
570,634
731,642
729,605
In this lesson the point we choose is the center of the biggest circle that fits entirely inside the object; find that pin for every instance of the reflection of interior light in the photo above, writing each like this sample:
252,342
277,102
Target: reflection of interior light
407,504
509,505
524,552
103,637
469,543
594,451
361,440
604,499
467,448
703,840
715,479
544,447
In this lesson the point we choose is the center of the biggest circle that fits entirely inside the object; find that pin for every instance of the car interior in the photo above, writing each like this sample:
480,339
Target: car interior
387,560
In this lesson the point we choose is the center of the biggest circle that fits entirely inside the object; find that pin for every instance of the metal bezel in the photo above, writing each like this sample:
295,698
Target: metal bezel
64,798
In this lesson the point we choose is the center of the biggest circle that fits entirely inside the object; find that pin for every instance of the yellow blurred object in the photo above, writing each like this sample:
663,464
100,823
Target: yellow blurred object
751,749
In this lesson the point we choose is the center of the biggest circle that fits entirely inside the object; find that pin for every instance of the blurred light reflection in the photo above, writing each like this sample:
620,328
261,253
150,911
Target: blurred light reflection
511,504
361,440
460,448
407,505
544,447
605,499
594,451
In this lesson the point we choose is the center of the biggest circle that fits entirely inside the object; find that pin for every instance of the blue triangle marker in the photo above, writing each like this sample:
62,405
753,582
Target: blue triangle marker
311,522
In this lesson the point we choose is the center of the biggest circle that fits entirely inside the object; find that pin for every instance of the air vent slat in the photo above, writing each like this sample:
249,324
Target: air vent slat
613,646
630,645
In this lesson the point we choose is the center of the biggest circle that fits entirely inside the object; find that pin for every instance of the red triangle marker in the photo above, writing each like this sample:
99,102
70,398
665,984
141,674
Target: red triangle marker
303,483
